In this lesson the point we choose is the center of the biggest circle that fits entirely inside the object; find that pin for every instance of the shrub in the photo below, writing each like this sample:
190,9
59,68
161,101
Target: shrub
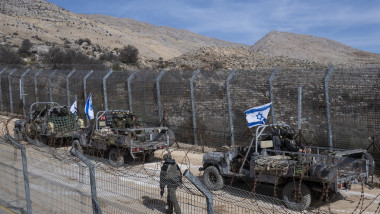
108,57
24,49
129,54
161,63
217,65
7,56
116,66
56,56
80,41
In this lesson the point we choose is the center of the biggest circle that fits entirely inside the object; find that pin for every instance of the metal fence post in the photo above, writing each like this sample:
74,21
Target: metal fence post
35,84
130,90
25,172
105,88
95,204
22,91
326,87
1,86
198,184
68,86
232,134
193,111
84,90
10,89
299,107
50,86
271,78
159,96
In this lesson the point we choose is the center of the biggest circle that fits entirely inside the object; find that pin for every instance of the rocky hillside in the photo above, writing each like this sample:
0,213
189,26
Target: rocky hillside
311,48
236,57
43,22
47,25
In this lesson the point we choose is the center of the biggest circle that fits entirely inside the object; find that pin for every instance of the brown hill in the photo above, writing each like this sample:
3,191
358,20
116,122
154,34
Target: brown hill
236,57
40,20
316,49
46,24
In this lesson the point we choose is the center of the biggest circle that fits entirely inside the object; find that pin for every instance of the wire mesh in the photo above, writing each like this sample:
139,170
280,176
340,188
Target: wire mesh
61,183
245,95
176,104
144,96
117,90
211,109
58,90
12,192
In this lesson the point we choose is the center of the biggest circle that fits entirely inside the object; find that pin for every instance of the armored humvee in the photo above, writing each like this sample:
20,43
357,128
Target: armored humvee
120,137
319,169
46,120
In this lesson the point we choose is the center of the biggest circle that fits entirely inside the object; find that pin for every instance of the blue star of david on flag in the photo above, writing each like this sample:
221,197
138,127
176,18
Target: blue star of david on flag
257,115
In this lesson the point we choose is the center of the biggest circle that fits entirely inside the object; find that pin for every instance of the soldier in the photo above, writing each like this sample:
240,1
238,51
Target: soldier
139,122
118,121
283,139
131,121
171,177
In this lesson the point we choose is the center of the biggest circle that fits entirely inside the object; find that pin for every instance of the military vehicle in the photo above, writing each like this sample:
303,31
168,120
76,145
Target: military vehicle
120,136
46,120
318,169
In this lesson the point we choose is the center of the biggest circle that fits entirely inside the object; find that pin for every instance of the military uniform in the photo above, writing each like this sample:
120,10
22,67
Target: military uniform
283,139
131,122
119,122
171,177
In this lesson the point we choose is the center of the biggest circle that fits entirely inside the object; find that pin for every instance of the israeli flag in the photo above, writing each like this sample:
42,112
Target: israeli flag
257,115
89,108
73,107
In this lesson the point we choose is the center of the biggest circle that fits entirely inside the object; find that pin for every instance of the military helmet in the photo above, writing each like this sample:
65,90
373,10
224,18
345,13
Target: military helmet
139,121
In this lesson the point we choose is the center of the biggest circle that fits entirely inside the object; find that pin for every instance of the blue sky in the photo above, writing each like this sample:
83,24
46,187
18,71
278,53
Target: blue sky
352,22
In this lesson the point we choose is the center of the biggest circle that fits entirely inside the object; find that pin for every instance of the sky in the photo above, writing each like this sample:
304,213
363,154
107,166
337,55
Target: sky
351,22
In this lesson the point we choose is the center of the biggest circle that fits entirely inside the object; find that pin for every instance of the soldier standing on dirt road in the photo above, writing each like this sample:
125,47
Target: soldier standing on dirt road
171,177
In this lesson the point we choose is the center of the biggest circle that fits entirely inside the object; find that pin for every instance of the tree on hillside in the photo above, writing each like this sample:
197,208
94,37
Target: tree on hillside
7,56
129,54
24,49
56,56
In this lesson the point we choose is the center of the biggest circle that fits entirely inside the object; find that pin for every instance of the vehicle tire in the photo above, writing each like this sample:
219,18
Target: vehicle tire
76,145
293,200
115,158
213,179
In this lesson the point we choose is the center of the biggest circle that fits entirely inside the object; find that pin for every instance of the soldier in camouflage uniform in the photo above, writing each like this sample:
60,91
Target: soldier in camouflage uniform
283,139
119,121
131,121
171,177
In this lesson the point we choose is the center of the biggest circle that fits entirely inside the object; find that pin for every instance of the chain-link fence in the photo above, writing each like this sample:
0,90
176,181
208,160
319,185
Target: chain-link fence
200,109
59,180
205,108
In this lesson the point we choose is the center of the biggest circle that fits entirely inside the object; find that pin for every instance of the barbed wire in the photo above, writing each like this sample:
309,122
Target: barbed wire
59,150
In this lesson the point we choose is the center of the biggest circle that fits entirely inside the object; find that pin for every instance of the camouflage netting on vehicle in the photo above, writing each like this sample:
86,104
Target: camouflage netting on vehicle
63,124
278,166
